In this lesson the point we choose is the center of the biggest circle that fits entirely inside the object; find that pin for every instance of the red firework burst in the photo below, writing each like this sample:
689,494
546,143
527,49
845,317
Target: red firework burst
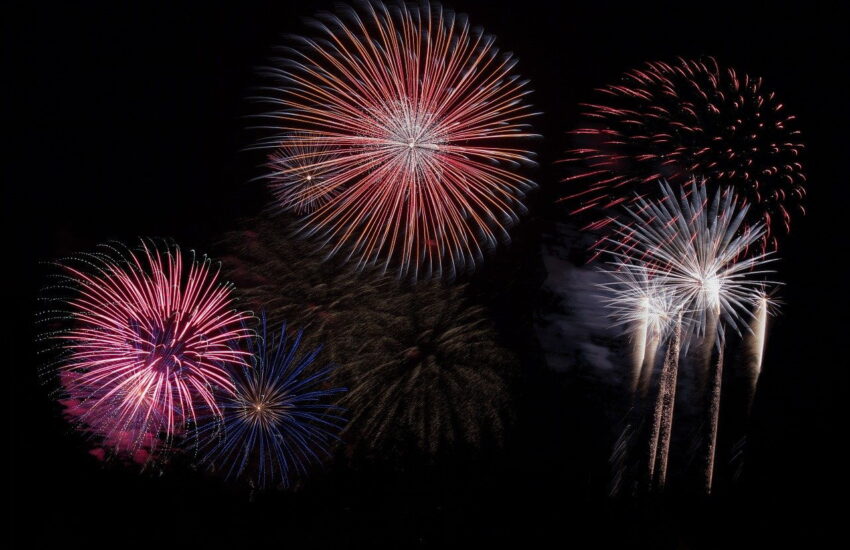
147,346
415,115
685,119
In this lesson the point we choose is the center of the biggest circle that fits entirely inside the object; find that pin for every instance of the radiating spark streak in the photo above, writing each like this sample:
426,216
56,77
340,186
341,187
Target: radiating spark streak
415,115
708,343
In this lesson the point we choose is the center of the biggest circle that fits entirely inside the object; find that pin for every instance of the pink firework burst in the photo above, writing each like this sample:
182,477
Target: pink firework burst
147,346
690,118
416,116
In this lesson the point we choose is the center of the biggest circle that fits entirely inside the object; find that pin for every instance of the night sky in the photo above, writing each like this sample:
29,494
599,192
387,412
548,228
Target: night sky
129,121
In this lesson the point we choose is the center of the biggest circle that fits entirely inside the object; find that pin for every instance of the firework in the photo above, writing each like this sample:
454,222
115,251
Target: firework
279,419
416,117
289,279
701,252
146,343
421,366
672,120
645,308
648,309
755,343
695,252
424,367
300,176
663,421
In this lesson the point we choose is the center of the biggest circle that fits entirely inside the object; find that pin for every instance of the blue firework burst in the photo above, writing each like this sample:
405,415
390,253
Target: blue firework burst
279,420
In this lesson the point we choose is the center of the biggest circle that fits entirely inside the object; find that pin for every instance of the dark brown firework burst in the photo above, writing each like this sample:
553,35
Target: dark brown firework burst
421,364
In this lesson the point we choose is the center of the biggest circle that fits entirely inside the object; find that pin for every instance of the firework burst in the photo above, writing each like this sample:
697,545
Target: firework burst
416,117
699,250
690,257
300,174
672,120
645,308
279,419
289,279
423,368
146,343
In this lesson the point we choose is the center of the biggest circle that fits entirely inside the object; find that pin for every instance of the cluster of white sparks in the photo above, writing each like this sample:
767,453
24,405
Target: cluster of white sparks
684,269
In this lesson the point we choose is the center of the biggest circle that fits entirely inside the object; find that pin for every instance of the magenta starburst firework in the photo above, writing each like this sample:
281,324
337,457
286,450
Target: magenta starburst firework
417,116
147,340
673,121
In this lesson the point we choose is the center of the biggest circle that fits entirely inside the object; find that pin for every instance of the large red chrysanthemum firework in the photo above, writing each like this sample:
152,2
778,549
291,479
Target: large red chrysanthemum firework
675,121
147,344
415,115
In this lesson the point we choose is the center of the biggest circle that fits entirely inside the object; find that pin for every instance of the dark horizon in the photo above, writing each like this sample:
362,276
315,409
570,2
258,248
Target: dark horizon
129,121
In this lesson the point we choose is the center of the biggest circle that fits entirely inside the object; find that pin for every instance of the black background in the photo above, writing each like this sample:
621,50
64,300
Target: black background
126,120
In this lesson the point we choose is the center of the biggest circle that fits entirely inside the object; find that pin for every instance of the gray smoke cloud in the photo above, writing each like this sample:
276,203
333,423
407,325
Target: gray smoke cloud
572,324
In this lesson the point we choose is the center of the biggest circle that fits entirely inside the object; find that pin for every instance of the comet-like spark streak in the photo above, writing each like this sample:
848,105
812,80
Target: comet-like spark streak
648,366
667,397
416,115
756,341
147,343
709,342
640,341
714,420
689,117
655,430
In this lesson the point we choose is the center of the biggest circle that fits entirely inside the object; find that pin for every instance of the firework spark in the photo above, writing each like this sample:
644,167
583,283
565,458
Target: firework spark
146,344
279,419
672,120
416,116
713,420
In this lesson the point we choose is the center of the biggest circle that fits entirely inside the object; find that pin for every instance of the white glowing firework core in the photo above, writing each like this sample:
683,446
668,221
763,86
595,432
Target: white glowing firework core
412,135
711,290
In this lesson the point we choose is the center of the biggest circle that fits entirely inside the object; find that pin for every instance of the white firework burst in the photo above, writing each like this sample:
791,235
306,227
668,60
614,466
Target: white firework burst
699,251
